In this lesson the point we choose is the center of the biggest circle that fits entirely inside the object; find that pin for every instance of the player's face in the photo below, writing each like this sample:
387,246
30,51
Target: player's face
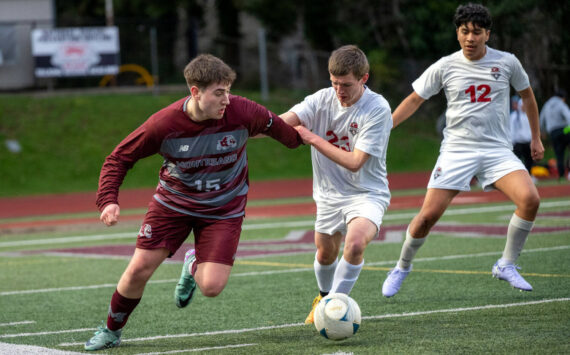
472,40
213,100
348,88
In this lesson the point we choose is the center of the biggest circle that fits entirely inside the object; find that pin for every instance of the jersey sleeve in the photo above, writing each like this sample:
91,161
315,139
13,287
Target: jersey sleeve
376,132
141,143
519,78
306,110
430,82
261,120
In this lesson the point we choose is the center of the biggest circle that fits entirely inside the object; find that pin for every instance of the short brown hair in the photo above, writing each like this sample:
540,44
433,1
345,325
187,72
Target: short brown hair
207,69
348,59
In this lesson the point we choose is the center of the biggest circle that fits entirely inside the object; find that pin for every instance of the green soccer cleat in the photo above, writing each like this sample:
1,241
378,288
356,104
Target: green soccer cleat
186,285
104,339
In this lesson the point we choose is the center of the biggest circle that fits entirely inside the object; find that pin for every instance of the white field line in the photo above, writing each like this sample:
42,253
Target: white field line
257,226
465,309
199,349
21,335
274,272
15,349
17,323
410,314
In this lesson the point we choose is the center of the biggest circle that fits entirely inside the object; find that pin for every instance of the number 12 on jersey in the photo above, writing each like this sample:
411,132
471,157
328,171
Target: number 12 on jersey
480,93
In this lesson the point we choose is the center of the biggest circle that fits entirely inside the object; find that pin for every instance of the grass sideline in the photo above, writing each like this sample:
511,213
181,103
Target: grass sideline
449,304
65,139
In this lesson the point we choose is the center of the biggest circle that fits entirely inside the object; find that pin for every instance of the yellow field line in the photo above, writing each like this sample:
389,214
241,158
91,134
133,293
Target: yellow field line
374,268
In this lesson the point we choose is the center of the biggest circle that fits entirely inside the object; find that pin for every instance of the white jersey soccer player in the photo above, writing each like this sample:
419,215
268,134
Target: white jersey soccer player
486,81
366,126
477,140
348,127
477,116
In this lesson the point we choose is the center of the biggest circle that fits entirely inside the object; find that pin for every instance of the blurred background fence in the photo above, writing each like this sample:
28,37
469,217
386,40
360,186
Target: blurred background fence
400,37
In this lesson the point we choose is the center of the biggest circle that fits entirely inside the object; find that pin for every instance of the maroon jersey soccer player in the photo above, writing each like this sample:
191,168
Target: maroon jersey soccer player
203,185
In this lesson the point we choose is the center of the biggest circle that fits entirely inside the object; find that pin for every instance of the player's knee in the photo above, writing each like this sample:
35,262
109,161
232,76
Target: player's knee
531,202
326,256
136,276
354,247
212,288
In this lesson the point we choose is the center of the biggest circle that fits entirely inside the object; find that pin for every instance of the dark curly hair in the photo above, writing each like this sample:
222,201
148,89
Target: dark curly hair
477,14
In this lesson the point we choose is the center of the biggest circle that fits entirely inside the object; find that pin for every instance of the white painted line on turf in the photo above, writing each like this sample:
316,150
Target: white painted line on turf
199,349
14,349
462,256
466,309
410,314
19,335
72,288
63,240
17,323
274,272
217,332
255,226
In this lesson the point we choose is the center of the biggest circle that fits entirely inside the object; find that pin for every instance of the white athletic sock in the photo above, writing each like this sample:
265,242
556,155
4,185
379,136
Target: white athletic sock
517,234
409,250
345,276
324,274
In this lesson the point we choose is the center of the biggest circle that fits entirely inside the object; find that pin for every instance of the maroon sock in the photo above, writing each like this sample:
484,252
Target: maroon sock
120,310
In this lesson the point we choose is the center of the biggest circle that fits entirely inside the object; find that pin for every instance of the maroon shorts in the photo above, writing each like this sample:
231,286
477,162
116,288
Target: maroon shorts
215,240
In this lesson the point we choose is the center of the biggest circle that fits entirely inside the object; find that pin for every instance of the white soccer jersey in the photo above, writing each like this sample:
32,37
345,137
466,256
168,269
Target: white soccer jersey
477,93
366,126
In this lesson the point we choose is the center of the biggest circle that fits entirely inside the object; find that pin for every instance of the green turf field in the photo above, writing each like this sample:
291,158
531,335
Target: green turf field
449,304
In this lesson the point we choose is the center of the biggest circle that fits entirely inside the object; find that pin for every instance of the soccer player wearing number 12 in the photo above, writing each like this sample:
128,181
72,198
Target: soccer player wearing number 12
350,127
476,81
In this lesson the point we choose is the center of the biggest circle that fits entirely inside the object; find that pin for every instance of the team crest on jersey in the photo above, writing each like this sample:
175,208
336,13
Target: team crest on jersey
226,143
437,172
146,231
353,129
495,73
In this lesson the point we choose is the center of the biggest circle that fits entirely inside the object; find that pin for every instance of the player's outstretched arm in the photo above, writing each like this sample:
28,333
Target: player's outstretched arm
291,118
406,108
352,161
531,109
110,214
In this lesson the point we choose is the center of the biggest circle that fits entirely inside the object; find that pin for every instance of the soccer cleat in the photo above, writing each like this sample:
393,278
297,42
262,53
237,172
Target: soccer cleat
311,317
186,285
509,273
104,338
394,281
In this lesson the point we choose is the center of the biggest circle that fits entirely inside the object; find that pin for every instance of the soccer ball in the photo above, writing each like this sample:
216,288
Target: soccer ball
337,316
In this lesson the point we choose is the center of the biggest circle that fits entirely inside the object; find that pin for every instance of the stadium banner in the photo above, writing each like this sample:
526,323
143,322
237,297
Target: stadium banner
75,51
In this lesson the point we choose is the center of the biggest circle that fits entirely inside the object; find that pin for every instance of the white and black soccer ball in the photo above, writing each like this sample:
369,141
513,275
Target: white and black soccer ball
337,316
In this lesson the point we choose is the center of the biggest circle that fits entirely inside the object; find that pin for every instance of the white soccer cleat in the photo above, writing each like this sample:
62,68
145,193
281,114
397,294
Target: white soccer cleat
394,281
509,273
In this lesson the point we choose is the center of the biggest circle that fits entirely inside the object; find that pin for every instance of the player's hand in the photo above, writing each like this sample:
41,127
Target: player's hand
110,214
536,149
305,134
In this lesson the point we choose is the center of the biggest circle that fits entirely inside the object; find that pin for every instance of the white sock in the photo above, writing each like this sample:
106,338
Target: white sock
324,274
517,234
345,276
409,250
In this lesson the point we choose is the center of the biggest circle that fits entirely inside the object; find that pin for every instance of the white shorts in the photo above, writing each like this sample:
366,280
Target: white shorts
455,169
334,217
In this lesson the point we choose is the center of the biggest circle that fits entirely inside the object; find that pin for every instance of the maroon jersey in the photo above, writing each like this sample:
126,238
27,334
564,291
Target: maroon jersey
205,172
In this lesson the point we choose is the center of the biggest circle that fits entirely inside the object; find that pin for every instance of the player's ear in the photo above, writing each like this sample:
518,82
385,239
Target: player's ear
364,78
194,91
